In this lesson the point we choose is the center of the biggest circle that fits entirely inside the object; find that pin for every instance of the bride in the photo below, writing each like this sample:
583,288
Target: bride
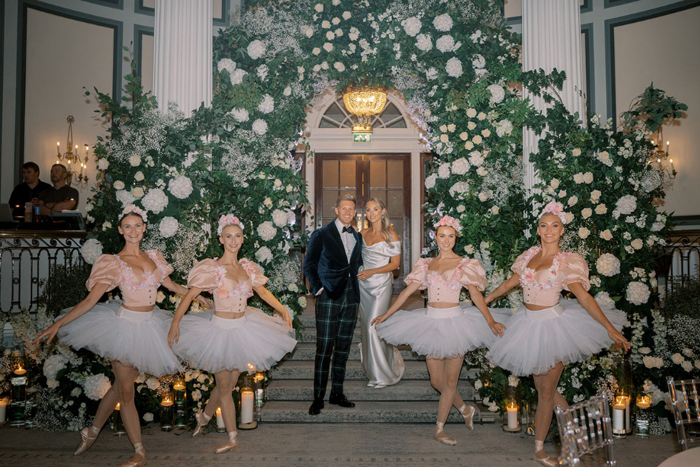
381,255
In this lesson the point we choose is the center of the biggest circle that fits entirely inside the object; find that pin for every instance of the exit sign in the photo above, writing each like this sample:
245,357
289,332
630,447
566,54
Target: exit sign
362,137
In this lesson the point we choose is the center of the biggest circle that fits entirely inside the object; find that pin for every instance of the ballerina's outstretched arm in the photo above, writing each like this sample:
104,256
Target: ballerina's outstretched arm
400,300
169,284
174,332
271,300
591,306
502,289
478,300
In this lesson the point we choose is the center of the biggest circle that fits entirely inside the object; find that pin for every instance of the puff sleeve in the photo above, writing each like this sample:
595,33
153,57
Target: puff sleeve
418,273
204,275
106,270
253,271
521,262
574,269
165,268
472,273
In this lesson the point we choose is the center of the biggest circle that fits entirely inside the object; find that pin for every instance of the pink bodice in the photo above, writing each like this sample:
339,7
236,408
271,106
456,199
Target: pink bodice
229,296
543,288
447,286
135,291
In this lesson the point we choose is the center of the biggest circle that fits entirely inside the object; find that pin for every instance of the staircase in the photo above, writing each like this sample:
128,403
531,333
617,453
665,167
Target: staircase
412,400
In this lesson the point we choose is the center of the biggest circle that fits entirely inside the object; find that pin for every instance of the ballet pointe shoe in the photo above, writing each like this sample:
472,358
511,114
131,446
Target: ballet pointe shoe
232,444
468,412
88,436
139,458
542,458
442,437
202,422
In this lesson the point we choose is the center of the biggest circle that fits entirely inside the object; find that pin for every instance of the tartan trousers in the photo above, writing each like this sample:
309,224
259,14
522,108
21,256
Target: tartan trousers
335,324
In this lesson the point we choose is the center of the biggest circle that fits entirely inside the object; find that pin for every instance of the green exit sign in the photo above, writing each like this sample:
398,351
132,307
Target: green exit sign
362,137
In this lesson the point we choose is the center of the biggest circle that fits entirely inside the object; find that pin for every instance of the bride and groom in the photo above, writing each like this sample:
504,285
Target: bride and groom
335,254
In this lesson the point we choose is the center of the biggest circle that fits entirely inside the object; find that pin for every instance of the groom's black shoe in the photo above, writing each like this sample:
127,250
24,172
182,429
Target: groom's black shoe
316,407
341,400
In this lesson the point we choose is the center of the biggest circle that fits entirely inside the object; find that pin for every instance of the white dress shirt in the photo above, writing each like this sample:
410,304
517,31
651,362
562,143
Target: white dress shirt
347,238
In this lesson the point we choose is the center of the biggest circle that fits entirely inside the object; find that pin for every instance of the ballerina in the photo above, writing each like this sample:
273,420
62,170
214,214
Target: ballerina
226,341
132,335
547,333
445,331
381,254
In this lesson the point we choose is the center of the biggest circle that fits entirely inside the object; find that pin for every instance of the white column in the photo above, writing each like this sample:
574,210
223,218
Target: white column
182,68
552,39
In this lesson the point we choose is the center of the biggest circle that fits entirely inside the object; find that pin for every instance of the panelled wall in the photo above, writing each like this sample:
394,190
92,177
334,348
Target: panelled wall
51,49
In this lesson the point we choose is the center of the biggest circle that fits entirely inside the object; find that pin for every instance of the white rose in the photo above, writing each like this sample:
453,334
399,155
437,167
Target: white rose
687,366
677,358
118,185
347,15
444,138
583,232
513,381
688,352
486,132
572,200
588,178
464,136
638,293
586,213
578,178
330,35
477,139
148,417
644,350
103,164
135,161
606,235
637,244
576,152
328,47
471,113
554,183
601,209
608,265
339,66
319,7
478,384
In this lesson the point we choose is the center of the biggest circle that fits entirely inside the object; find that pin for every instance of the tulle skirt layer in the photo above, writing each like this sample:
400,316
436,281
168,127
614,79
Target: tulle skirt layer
535,341
134,338
441,332
214,344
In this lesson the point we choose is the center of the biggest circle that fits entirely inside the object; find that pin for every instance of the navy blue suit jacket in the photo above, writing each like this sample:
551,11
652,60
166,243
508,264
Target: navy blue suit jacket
326,264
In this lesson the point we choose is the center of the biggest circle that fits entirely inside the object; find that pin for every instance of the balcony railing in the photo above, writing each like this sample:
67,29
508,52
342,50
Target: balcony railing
680,262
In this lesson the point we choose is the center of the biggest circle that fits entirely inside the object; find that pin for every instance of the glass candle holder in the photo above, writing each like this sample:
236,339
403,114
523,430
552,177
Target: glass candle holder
621,425
180,393
220,426
513,402
643,415
166,411
117,425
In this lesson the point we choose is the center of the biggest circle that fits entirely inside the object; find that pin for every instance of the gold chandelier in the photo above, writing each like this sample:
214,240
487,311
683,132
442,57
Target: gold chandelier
72,159
365,104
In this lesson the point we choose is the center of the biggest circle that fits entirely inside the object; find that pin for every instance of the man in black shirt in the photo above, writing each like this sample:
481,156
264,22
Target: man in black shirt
60,197
27,191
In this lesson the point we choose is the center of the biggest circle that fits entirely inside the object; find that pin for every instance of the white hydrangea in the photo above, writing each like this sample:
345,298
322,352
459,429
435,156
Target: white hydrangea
446,44
504,127
260,127
411,25
638,293
125,197
603,299
281,218
443,22
430,181
262,72
237,76
497,93
424,42
148,417
91,250
444,170
226,64
459,187
155,200
96,386
460,166
241,115
339,66
256,49
627,204
513,381
168,226
267,104
52,366
263,255
608,265
476,158
103,164
651,180
180,187
267,231
454,67
478,61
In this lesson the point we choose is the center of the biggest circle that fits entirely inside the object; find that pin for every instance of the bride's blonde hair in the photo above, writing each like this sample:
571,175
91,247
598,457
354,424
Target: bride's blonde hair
385,231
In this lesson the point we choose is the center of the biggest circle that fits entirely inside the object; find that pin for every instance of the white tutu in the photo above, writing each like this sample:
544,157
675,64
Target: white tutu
441,332
535,341
134,338
214,344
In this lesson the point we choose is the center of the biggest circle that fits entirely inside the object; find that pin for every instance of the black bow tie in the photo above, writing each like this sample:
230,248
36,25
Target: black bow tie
348,229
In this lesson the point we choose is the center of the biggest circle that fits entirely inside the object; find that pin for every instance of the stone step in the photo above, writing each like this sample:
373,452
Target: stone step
404,390
370,412
293,369
307,351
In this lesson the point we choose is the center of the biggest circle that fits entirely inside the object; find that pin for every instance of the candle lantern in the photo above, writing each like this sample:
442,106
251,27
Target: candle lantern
643,415
621,401
248,403
621,415
117,425
166,411
19,381
259,389
513,401
3,410
180,391
220,426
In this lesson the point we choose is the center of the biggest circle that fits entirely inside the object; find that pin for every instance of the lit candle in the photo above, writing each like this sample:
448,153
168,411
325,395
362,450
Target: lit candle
667,144
673,168
644,401
19,371
178,385
512,416
3,409
58,148
619,415
220,420
247,403
167,401
117,407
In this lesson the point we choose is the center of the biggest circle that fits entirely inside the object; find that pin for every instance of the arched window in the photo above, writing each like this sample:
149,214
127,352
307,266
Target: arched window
337,116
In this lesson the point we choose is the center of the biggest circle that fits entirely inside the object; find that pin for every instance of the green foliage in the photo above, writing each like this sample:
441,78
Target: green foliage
684,299
652,109
63,289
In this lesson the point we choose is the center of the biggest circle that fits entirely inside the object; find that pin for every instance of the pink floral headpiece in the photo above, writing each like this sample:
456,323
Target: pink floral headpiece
449,222
555,208
228,219
136,210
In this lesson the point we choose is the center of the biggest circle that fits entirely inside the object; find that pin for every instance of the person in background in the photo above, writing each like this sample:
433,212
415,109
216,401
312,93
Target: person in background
61,197
28,190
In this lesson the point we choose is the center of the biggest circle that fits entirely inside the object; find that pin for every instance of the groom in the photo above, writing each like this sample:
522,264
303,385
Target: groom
331,266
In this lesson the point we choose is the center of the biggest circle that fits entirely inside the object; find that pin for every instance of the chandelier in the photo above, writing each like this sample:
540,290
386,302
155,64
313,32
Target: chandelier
72,159
661,155
365,104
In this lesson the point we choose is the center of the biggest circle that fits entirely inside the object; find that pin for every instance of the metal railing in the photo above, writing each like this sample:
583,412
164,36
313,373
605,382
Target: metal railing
680,262
27,260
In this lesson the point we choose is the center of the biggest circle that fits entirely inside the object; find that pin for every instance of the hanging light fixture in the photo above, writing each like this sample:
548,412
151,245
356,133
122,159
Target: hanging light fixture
70,158
365,104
